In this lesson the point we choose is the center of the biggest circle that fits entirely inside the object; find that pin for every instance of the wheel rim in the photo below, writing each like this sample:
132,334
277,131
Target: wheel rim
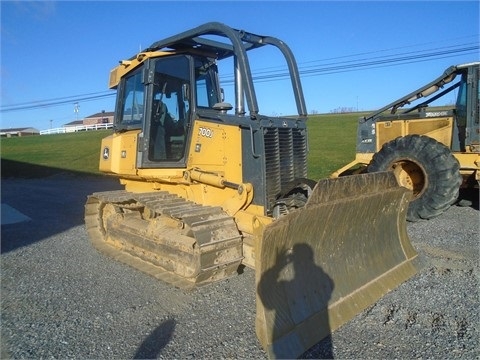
410,175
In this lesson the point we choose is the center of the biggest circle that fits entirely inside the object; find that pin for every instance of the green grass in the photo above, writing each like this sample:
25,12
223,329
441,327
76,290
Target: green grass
78,152
331,141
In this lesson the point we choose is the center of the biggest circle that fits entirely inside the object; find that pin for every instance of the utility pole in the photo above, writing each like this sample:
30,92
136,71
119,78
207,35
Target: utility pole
76,109
51,121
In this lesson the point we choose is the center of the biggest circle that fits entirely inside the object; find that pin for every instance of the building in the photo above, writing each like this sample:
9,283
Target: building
104,117
73,125
101,120
19,132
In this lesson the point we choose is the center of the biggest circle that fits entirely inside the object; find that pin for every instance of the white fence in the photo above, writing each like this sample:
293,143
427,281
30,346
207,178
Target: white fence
70,129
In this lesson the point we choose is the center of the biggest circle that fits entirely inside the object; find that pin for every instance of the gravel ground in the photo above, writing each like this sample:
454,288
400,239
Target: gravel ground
62,299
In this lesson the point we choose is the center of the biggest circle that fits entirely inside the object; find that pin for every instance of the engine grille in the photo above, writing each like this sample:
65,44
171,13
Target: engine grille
285,159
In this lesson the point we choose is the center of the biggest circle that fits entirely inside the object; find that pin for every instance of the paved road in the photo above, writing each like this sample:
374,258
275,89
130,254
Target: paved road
62,299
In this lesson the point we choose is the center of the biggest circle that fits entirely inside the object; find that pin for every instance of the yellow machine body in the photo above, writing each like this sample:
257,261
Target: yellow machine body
409,141
207,192
439,128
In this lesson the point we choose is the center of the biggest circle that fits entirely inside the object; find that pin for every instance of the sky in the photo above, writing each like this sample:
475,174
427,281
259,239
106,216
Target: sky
358,55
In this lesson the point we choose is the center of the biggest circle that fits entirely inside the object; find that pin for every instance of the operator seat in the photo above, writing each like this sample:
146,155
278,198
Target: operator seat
158,130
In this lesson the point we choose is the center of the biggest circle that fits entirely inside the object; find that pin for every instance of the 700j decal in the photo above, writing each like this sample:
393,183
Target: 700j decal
206,132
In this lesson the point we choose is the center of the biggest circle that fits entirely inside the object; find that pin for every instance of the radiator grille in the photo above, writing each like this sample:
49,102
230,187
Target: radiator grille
285,159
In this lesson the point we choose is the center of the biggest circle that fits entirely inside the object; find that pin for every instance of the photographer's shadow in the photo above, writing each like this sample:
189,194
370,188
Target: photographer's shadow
298,292
153,344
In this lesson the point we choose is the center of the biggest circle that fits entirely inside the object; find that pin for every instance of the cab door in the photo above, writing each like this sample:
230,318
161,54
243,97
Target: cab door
167,113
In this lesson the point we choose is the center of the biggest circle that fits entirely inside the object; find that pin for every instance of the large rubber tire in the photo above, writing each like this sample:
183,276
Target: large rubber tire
425,166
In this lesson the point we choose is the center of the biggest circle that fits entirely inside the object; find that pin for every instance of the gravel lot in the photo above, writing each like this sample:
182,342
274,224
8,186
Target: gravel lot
60,298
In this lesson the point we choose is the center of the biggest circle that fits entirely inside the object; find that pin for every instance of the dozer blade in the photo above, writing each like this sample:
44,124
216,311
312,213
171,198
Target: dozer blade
319,266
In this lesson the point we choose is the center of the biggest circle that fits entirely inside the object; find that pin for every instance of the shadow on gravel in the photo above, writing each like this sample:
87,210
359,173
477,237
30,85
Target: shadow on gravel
151,347
52,198
23,170
469,198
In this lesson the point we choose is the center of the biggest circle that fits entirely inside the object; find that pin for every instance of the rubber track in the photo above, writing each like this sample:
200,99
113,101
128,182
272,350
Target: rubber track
207,224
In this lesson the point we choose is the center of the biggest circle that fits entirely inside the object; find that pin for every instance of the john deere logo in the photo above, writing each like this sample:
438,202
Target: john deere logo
106,153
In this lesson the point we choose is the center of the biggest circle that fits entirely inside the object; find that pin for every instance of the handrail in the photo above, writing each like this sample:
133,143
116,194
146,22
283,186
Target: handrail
241,42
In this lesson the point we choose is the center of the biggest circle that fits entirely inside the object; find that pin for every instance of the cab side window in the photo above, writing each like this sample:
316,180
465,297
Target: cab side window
170,109
206,83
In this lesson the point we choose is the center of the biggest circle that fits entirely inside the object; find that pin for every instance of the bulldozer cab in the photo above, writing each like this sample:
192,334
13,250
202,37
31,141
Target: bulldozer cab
165,88
157,99
171,116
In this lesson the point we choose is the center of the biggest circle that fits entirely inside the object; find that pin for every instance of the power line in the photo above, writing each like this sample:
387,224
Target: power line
268,75
337,62
404,47
71,97
358,64
54,102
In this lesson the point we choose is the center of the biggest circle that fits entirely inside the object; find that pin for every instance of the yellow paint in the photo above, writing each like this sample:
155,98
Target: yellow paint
214,158
216,148
122,153
439,129
127,66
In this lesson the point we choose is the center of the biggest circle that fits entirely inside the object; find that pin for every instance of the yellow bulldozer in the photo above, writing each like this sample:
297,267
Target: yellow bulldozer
208,192
433,150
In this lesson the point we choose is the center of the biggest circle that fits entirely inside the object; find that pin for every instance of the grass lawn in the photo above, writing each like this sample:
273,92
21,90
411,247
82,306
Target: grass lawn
331,142
77,152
